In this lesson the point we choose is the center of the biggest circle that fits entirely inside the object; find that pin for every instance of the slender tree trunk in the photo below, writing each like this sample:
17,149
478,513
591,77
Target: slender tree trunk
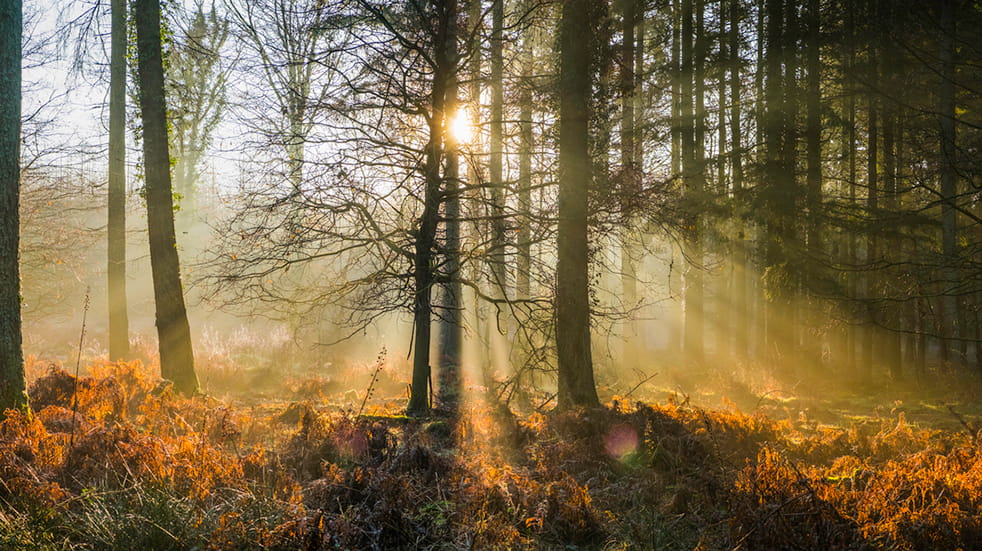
872,255
676,76
639,88
693,140
119,343
173,331
451,327
523,248
497,251
787,338
12,384
949,223
725,314
760,227
774,186
852,245
423,276
741,258
721,85
630,180
526,143
813,146
496,157
894,313
577,30
679,140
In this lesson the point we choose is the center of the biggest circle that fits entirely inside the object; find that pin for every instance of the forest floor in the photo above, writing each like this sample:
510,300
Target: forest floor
299,463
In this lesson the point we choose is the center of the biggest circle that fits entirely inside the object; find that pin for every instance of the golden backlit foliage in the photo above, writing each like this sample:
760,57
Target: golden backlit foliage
150,469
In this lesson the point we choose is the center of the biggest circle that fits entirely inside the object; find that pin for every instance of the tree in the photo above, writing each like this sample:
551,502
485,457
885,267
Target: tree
444,69
692,129
630,175
119,343
196,87
451,327
12,384
173,331
741,258
949,221
283,41
577,34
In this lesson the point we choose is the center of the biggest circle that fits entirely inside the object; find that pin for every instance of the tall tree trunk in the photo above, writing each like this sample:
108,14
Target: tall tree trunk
496,181
725,314
852,256
790,198
741,310
676,101
451,327
721,85
173,331
497,146
813,184
774,188
12,384
759,229
894,313
640,12
577,30
872,255
693,140
423,276
949,223
526,143
678,153
119,343
630,180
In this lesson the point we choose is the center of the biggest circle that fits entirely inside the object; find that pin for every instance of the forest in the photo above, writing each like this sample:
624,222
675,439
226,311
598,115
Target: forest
491,274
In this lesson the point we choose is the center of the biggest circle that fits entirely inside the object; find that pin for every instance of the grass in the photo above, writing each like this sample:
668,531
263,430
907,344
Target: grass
151,470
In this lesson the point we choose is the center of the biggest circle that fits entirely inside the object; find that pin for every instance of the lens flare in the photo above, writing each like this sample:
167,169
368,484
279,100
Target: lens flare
621,441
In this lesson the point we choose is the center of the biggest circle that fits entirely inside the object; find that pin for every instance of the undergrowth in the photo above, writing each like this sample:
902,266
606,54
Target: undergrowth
138,467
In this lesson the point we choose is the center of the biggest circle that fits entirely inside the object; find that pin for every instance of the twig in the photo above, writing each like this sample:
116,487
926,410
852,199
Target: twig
371,385
643,381
78,363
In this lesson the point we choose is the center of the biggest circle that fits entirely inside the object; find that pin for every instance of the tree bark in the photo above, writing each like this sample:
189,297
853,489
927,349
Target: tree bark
692,88
119,343
949,222
577,30
774,188
813,183
630,180
12,384
451,328
496,157
173,331
741,309
869,278
526,143
423,276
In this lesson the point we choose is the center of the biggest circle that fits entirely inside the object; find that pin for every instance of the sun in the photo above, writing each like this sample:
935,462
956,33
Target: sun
461,129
